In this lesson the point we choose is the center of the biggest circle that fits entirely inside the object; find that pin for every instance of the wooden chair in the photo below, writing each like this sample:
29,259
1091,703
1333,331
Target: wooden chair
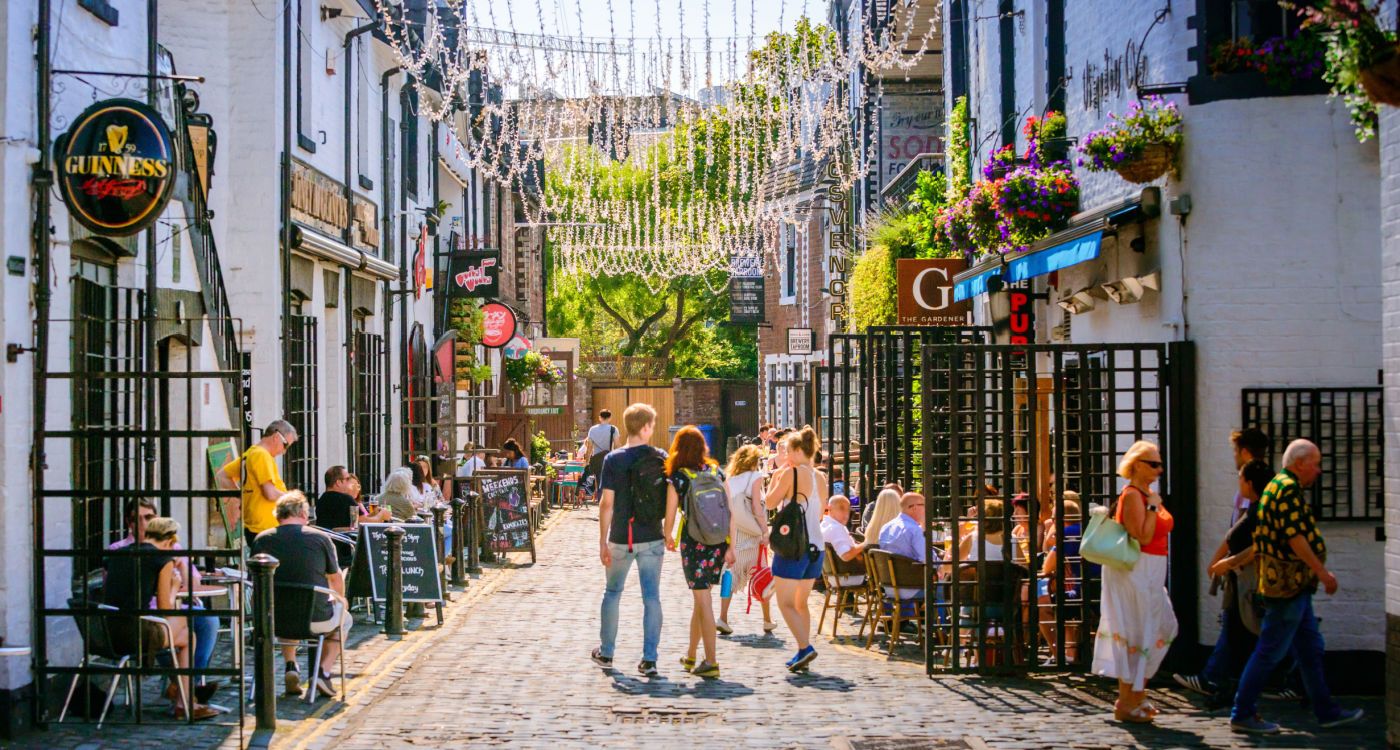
983,609
848,598
896,572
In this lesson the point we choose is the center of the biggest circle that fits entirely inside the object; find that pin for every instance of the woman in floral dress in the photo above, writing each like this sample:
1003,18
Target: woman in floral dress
703,564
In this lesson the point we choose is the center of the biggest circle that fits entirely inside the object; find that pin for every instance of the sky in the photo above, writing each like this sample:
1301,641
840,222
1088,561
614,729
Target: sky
735,27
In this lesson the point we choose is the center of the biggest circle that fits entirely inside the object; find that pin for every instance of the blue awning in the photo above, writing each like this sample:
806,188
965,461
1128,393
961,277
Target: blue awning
1079,249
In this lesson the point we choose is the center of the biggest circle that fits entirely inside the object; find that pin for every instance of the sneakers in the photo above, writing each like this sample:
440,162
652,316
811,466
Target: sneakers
292,679
603,661
1345,717
769,627
802,659
1254,725
707,670
1283,694
648,668
323,685
1195,683
687,663
723,627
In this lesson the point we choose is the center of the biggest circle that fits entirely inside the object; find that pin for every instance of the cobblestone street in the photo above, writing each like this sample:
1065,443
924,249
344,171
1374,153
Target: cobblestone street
511,668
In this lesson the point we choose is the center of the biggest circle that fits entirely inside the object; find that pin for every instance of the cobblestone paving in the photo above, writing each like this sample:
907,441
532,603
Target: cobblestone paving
511,668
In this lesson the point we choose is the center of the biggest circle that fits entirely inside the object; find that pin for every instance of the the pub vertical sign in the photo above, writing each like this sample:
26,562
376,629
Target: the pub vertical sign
116,167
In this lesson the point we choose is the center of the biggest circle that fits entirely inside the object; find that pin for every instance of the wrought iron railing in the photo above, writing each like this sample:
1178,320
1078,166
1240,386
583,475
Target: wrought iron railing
620,368
900,187
1347,426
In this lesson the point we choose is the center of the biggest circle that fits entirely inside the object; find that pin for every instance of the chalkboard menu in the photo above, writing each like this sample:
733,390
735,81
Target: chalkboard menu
369,575
505,498
746,299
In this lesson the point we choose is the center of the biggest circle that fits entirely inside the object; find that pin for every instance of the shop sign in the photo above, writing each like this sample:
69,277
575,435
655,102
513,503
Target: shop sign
799,341
474,274
909,125
838,260
498,326
420,262
517,347
1019,326
116,167
318,201
926,292
746,299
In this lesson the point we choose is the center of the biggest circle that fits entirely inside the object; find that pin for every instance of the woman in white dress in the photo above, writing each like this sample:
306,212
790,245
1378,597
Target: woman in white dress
1136,622
745,486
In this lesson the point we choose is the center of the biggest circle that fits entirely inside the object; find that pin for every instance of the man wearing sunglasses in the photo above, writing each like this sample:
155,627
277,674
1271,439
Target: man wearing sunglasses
263,483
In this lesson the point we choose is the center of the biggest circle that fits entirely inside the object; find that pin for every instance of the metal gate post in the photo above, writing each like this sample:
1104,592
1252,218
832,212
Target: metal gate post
393,598
460,530
1180,424
472,514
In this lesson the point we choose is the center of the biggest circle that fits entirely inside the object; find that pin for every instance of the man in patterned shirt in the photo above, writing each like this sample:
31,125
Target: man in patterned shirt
1291,557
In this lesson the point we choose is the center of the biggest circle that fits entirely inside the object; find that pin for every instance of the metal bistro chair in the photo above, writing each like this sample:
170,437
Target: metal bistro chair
100,645
984,619
291,626
848,598
570,481
893,610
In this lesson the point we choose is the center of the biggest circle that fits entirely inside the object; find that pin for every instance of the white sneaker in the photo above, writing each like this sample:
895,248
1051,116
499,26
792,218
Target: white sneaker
723,627
769,627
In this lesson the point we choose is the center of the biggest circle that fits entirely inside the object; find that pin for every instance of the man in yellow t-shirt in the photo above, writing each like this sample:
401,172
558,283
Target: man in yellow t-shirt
263,484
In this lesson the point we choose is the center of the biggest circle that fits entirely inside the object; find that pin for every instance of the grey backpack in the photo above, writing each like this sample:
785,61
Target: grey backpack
707,507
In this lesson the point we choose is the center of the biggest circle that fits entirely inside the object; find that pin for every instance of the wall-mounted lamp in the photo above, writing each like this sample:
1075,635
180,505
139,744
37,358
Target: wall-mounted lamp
1130,290
1082,301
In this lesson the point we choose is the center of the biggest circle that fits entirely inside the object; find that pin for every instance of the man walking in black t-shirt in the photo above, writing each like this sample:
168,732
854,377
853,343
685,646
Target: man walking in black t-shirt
623,539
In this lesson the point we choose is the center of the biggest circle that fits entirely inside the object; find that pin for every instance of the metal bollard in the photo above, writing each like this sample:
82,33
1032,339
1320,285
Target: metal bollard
459,541
393,599
474,520
265,699
440,523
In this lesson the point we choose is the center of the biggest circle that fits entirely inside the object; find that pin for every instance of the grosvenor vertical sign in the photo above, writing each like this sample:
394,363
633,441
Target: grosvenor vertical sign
838,261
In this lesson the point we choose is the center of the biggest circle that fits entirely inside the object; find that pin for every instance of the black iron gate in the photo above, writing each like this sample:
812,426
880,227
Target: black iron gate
964,422
367,412
136,434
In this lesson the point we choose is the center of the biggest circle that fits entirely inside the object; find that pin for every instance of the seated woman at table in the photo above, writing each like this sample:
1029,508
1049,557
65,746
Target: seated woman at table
1045,583
395,496
515,457
151,581
206,627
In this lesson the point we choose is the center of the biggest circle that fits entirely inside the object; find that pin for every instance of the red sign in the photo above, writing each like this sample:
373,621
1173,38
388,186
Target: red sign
420,263
1022,320
499,325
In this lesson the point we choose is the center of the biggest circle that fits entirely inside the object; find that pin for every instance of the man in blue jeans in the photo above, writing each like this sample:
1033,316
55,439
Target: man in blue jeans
1291,555
623,539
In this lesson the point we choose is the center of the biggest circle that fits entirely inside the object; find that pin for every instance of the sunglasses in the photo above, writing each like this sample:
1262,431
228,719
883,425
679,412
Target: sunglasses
1154,464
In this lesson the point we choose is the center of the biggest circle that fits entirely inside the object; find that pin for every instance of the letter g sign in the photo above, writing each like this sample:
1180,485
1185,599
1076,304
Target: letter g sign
944,290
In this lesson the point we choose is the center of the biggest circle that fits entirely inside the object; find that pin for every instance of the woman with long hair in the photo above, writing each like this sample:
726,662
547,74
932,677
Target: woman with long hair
884,510
745,486
1136,623
793,577
514,455
702,563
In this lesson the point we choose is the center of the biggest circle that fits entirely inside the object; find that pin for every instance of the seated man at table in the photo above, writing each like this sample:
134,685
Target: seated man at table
903,535
307,556
836,533
337,509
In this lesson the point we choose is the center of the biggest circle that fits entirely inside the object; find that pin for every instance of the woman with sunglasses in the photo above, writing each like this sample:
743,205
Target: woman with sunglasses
1136,623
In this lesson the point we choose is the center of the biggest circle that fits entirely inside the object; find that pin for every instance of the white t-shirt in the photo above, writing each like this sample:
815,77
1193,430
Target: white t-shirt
470,466
604,438
839,537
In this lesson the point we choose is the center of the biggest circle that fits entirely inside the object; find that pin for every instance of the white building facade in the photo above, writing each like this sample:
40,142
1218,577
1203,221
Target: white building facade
1264,253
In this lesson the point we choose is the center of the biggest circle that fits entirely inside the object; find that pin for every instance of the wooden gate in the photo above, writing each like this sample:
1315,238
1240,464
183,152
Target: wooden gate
618,398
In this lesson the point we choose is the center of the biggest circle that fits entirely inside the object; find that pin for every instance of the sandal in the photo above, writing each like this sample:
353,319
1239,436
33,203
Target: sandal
1142,713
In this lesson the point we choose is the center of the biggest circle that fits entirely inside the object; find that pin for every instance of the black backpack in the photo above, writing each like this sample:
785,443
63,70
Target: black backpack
646,485
788,531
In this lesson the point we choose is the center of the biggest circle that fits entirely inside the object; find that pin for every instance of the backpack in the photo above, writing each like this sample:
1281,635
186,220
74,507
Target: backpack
789,527
646,486
707,508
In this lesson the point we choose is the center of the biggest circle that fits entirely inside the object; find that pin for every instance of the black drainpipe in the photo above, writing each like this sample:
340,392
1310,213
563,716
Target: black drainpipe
42,177
406,286
387,195
286,213
150,314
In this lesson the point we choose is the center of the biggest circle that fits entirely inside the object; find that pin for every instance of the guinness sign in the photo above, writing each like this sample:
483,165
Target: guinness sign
116,167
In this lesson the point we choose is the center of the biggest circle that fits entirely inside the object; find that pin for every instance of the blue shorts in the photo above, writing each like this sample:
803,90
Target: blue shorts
807,566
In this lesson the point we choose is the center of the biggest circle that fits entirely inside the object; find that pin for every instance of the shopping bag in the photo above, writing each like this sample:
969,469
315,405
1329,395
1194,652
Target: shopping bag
1106,542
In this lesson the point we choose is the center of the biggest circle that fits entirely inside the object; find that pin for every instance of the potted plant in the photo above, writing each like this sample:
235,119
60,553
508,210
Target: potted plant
1362,63
1283,61
1140,146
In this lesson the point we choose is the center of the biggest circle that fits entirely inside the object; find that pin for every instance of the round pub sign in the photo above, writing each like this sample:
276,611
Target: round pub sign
116,167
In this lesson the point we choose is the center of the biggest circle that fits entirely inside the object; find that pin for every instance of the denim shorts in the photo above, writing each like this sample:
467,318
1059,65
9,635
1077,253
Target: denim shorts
807,566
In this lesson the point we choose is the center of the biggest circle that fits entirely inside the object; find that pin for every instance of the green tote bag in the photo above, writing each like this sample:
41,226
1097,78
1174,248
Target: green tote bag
1106,542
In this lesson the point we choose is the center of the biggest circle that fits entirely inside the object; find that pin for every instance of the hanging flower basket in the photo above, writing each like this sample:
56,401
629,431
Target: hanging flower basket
1382,80
1154,162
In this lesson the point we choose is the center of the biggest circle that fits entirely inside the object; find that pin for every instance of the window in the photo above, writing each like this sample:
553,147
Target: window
1006,43
1223,25
789,289
305,61
408,99
367,407
303,401
957,47
1055,55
